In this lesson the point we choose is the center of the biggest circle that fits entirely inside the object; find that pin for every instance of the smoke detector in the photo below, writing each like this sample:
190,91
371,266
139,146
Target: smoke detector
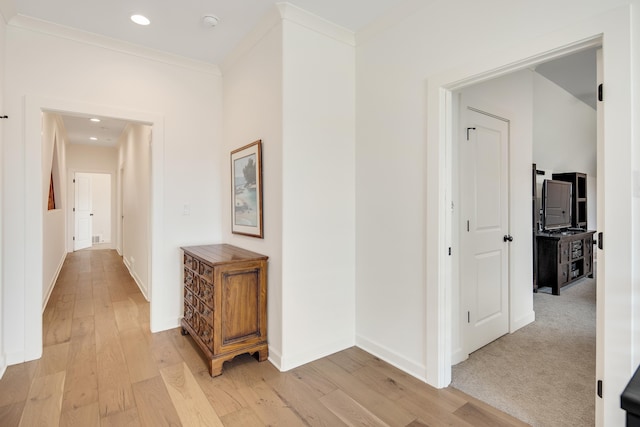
210,20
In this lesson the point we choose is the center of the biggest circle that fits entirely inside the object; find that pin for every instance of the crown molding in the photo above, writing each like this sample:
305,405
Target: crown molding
286,11
85,37
315,23
8,10
269,21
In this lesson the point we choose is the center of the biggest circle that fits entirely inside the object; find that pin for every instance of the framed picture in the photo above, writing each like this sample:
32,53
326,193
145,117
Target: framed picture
246,190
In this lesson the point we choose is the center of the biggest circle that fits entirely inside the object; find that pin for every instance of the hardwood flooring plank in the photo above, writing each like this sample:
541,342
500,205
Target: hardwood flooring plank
351,412
431,412
304,401
314,379
83,307
154,405
44,402
350,360
122,419
188,398
244,417
53,360
82,326
221,392
140,362
16,381
480,417
163,350
268,406
83,416
480,410
81,383
127,314
10,414
382,407
114,387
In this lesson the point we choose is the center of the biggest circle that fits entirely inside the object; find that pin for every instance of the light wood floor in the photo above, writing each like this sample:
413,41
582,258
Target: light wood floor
102,366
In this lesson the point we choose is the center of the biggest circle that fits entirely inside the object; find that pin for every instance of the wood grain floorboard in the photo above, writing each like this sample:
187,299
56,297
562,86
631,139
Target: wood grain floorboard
101,366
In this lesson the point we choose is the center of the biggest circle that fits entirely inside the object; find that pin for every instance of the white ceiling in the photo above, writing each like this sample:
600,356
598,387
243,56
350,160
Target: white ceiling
176,27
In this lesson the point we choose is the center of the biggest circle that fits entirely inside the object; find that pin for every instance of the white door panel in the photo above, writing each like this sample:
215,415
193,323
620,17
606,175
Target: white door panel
83,218
484,215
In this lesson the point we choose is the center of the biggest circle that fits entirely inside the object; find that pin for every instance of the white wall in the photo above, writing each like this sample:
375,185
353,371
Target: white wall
135,167
402,173
252,111
98,160
52,68
564,137
54,230
509,97
307,128
318,192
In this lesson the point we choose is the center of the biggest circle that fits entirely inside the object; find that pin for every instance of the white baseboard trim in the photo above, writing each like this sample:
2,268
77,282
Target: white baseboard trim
136,278
52,284
410,367
458,356
288,362
530,317
275,358
15,358
3,364
164,324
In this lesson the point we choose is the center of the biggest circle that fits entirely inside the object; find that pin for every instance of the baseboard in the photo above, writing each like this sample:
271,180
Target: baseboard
14,358
164,324
288,362
136,279
458,356
53,282
275,358
3,364
530,317
410,367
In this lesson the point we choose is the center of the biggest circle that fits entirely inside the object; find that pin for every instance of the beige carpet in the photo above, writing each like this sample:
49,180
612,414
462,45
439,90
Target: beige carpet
544,373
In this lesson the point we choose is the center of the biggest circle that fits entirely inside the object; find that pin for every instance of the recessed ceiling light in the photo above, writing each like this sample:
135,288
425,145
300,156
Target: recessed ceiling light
95,119
140,19
93,138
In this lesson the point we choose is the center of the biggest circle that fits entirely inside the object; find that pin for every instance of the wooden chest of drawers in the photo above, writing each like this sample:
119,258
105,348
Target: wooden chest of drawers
225,302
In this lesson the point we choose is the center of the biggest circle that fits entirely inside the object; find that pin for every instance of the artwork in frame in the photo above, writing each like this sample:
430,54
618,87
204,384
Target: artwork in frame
246,190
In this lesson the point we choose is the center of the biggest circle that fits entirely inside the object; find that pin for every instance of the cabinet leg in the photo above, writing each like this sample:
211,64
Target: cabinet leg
263,354
184,332
215,369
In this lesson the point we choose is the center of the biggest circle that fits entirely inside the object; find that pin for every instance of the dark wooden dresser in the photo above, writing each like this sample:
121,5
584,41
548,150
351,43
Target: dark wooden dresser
225,302
563,258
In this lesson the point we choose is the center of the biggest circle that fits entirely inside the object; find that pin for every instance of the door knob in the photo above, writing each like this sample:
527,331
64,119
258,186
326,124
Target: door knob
507,238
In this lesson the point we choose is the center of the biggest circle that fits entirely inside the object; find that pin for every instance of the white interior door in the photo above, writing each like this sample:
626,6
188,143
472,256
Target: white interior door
82,211
484,231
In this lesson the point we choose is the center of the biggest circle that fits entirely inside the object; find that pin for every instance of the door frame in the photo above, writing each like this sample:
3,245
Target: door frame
34,106
71,197
613,33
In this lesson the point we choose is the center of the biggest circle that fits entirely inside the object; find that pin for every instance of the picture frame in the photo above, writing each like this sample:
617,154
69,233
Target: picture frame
246,190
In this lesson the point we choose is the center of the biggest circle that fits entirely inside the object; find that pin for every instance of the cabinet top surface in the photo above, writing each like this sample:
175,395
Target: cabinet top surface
222,253
564,234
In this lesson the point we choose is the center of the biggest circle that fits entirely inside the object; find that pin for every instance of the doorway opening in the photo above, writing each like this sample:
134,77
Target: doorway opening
92,211
34,235
559,130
